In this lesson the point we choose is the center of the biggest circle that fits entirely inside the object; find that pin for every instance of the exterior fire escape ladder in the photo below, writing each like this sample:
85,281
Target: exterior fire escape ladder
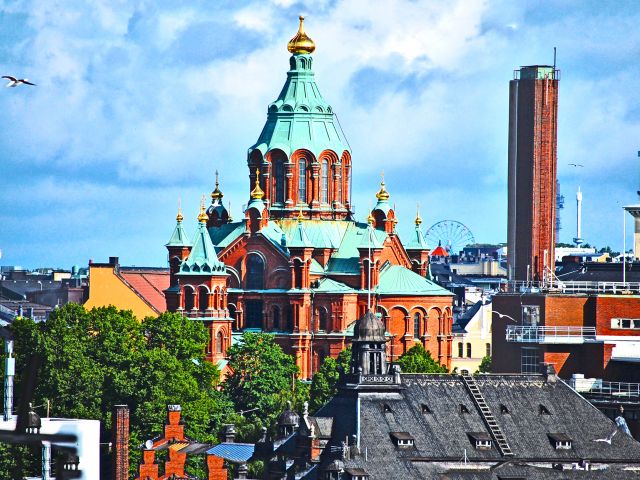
487,416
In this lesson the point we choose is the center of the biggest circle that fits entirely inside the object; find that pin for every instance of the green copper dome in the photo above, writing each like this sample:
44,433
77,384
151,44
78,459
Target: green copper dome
300,118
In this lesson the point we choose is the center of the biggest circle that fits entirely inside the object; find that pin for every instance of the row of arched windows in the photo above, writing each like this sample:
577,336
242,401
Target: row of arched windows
200,298
301,169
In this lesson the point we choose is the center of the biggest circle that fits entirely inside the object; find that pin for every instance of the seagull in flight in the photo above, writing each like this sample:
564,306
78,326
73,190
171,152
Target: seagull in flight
14,82
609,437
576,165
502,315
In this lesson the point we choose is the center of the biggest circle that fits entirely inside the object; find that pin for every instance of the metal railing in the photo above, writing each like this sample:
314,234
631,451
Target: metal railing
549,334
559,286
600,388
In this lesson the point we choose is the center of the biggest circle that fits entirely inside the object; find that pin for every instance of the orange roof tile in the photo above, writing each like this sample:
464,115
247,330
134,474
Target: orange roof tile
148,284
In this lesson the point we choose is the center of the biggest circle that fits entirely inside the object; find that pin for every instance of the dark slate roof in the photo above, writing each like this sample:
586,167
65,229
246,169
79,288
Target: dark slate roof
597,272
463,319
443,434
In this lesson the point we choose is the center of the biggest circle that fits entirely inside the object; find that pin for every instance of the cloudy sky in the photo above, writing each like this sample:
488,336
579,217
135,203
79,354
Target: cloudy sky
139,102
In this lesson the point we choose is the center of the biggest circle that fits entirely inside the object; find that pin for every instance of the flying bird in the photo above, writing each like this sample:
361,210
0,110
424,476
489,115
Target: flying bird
502,315
576,165
14,82
609,437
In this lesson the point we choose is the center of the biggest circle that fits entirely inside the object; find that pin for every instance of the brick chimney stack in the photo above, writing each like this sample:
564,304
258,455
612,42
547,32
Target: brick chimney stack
120,436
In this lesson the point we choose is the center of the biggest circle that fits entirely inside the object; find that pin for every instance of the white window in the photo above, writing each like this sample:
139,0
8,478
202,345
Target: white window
531,315
626,323
325,181
529,360
564,445
483,444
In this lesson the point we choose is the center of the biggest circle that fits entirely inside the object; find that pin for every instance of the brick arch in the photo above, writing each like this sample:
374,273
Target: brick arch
346,177
233,280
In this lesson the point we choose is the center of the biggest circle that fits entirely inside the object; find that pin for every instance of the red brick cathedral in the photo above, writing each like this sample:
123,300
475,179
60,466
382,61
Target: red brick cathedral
298,265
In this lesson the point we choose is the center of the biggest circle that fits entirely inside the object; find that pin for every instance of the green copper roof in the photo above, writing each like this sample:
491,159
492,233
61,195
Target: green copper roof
300,117
328,285
398,280
417,241
202,258
299,238
315,267
179,237
370,239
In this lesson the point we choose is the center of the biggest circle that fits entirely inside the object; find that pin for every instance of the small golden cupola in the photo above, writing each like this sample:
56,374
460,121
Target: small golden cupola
382,195
301,43
217,194
179,216
257,193
203,217
418,219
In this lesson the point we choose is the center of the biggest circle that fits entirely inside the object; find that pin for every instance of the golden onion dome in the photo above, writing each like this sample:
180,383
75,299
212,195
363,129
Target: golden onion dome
179,216
370,219
382,195
257,193
203,217
217,194
301,43
418,219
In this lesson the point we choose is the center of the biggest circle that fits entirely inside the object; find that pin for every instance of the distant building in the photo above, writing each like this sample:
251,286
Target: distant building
139,289
471,337
595,335
386,425
533,126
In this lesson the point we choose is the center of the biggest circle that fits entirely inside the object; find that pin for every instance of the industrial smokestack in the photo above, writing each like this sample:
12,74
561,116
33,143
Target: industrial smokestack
9,372
578,240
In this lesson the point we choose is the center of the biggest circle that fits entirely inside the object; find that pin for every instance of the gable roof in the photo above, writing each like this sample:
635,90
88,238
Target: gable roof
148,284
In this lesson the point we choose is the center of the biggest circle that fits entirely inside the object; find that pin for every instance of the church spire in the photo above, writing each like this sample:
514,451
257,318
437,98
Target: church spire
382,195
301,43
203,217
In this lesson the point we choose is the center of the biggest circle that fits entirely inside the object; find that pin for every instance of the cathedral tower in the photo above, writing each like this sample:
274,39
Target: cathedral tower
303,158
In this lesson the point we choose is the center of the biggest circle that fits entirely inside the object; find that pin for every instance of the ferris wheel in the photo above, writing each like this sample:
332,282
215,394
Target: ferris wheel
451,234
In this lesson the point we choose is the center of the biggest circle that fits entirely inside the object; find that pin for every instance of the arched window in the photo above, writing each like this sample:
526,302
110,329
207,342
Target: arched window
347,183
325,181
255,273
276,318
279,181
416,325
339,196
203,299
468,350
322,319
460,350
302,181
210,339
189,298
219,342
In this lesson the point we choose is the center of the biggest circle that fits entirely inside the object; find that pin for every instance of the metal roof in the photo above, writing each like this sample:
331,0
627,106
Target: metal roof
233,452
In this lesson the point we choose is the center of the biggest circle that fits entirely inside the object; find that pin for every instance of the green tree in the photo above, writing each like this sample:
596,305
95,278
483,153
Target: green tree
485,365
96,359
325,381
418,360
263,377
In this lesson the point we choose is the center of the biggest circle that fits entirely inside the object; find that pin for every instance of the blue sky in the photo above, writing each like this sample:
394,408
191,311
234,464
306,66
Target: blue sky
139,102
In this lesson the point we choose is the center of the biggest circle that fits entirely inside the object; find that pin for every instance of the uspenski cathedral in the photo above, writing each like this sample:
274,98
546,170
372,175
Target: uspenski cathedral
299,265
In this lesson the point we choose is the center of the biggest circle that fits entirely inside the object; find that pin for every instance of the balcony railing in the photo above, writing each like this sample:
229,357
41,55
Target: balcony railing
576,287
595,388
548,334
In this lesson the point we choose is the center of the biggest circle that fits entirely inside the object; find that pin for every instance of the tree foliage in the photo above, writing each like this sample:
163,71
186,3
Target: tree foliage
263,378
485,365
93,360
419,360
325,381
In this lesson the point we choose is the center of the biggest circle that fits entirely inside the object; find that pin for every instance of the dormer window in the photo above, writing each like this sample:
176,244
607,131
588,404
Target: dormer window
544,410
386,408
560,441
357,474
504,410
480,440
402,439
425,408
463,408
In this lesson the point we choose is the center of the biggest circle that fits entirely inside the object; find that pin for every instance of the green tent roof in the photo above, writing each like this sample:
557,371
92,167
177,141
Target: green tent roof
300,117
179,237
202,258
417,241
398,280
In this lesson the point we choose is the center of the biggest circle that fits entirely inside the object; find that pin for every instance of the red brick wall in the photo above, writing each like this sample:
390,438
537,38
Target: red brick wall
120,422
618,306
215,468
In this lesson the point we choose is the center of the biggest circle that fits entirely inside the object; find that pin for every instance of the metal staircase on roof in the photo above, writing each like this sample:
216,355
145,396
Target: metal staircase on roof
487,416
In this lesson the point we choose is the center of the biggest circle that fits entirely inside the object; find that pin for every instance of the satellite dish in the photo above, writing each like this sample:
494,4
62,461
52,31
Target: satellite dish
148,444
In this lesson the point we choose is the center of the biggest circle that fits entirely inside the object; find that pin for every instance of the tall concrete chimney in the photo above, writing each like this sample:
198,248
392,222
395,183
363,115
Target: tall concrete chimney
120,435
578,240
